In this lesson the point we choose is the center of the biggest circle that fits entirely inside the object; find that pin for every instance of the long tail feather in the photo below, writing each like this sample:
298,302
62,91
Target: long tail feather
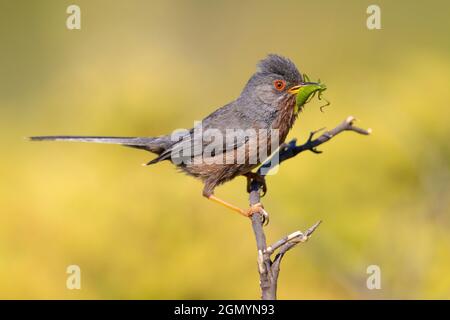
153,144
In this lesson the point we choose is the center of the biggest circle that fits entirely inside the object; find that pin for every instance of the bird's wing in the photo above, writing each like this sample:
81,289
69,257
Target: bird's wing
192,145
213,134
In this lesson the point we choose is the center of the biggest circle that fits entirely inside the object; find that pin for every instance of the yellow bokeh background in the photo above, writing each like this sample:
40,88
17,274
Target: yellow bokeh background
142,68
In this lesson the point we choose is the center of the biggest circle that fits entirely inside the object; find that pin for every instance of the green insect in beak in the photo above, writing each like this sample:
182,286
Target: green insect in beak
306,91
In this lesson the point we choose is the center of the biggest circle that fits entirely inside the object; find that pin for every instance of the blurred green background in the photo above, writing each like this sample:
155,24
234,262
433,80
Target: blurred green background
142,68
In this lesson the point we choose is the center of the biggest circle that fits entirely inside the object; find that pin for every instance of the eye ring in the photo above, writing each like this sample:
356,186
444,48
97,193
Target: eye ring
279,85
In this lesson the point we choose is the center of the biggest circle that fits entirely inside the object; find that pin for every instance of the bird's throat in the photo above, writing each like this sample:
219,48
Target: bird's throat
287,114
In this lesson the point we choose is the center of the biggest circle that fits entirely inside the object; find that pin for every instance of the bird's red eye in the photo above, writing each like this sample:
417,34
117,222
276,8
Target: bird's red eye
279,84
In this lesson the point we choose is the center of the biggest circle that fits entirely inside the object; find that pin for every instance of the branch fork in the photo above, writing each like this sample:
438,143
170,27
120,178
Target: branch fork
269,268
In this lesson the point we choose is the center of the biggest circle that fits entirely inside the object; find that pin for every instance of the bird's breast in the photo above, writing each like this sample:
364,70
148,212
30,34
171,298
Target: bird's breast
285,117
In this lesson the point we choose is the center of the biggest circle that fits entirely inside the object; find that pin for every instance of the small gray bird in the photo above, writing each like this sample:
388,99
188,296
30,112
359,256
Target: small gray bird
267,103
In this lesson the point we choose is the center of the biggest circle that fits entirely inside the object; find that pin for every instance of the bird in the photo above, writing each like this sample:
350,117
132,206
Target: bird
267,103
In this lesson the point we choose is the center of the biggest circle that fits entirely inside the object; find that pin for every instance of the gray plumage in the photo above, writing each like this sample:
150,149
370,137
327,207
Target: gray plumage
259,106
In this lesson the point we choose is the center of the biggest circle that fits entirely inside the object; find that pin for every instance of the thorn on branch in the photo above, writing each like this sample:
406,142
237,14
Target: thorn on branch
314,150
313,228
313,133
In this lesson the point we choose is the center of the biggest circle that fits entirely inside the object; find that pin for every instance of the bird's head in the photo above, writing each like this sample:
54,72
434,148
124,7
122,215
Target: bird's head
278,80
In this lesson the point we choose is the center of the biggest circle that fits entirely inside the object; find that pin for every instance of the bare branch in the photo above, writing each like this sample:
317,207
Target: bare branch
291,149
268,269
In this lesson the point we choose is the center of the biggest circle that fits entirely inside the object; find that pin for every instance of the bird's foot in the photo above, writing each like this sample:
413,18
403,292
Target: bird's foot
258,208
256,177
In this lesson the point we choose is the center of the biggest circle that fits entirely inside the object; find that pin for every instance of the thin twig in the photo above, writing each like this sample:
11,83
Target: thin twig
295,238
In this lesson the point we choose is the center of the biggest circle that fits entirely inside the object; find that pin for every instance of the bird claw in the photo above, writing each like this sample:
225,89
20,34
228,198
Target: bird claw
258,208
264,217
263,188
259,178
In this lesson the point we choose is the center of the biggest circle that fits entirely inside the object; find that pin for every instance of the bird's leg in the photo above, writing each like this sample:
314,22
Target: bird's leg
227,205
256,208
257,177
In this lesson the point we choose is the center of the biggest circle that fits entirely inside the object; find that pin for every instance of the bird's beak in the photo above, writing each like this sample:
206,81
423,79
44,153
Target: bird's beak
306,86
295,89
